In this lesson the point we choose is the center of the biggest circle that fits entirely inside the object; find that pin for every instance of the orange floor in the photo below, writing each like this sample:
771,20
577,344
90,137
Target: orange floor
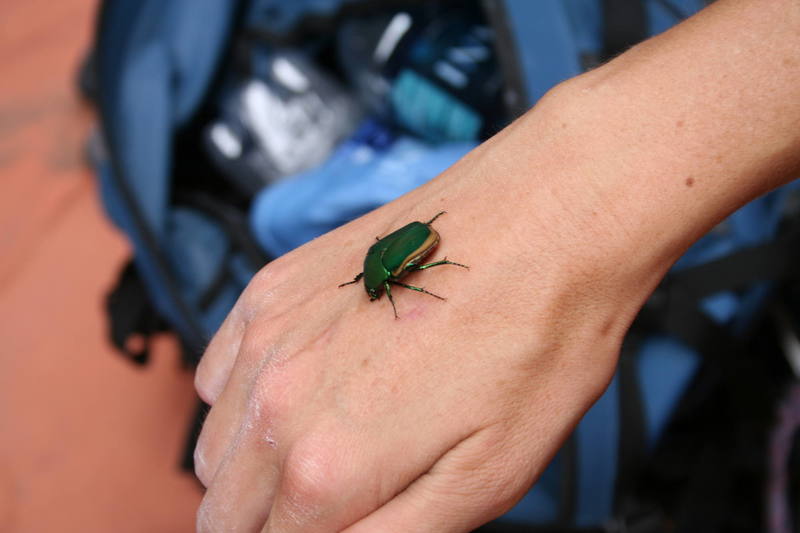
88,442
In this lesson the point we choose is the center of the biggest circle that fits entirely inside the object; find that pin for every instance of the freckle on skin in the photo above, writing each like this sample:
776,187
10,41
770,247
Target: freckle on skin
689,181
679,124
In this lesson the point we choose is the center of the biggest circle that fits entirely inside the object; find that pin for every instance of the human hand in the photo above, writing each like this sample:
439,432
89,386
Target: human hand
329,414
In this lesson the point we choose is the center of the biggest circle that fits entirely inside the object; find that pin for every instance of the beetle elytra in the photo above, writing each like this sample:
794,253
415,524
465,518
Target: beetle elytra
397,254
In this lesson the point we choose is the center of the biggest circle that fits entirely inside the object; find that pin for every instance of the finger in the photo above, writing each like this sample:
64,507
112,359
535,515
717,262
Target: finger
331,479
217,364
326,483
215,367
244,445
240,495
265,376
473,483
243,396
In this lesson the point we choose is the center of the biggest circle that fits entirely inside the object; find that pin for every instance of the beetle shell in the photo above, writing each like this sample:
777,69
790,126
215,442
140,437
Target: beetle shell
391,256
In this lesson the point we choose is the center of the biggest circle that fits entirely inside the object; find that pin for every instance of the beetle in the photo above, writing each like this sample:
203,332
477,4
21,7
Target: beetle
397,254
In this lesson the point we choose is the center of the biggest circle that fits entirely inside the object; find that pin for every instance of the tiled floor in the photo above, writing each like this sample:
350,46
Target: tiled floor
88,442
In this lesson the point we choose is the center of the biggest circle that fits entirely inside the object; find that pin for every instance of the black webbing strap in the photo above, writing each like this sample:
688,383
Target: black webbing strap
624,25
132,316
632,445
568,497
681,318
503,526
778,259
793,488
674,309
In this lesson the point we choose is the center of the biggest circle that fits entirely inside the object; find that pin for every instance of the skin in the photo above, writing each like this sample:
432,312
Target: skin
330,415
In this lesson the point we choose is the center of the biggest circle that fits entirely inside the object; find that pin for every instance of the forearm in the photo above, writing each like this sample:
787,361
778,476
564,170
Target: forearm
660,144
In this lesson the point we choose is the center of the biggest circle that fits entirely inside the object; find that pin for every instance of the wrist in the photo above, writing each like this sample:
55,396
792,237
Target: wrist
605,225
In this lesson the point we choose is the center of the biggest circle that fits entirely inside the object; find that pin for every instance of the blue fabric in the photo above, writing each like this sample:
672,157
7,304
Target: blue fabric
586,23
665,368
551,36
371,169
541,504
196,43
660,18
280,16
154,65
546,46
197,250
598,436
145,263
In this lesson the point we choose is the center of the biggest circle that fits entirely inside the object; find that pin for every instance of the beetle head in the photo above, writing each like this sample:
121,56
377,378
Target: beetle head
373,294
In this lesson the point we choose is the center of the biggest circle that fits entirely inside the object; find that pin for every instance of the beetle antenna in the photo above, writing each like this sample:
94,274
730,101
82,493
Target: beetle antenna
434,218
437,263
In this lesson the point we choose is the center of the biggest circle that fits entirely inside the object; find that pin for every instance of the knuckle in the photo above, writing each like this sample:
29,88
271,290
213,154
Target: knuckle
260,287
206,519
274,389
255,345
266,276
502,498
217,361
258,360
209,451
202,469
311,475
203,384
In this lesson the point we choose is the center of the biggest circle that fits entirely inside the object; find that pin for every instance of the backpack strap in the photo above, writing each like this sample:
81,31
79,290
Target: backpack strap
632,444
132,318
777,259
624,25
568,500
733,381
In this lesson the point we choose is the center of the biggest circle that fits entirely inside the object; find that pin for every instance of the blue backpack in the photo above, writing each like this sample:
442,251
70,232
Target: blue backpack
167,76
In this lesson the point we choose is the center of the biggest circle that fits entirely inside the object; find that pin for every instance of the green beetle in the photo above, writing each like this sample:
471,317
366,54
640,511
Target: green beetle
397,254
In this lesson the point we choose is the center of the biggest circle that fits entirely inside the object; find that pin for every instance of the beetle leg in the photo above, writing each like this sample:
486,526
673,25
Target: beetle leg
355,280
437,263
434,218
418,289
389,294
